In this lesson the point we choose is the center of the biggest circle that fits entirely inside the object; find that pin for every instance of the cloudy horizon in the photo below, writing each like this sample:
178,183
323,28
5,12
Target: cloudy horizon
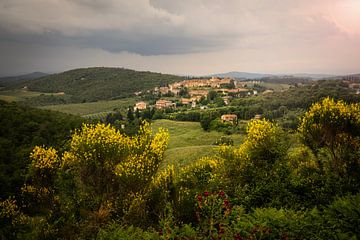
194,37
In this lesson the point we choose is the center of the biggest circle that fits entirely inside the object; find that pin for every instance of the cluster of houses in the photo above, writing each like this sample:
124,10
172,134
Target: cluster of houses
353,82
196,90
199,88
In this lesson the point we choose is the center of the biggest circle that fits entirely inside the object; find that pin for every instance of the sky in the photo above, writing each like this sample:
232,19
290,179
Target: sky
187,37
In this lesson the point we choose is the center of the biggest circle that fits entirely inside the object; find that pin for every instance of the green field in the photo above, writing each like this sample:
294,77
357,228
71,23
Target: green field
20,95
277,87
91,108
188,141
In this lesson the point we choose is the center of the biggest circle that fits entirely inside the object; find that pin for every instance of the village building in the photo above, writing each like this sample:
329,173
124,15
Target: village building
196,98
214,82
198,93
140,106
175,91
185,101
237,90
164,90
222,90
175,86
354,85
229,118
161,104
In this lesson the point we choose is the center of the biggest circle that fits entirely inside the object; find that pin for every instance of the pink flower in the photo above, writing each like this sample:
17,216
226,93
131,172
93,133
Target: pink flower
206,194
199,197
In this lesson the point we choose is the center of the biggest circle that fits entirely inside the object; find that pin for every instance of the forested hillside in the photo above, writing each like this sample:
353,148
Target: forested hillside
98,83
21,129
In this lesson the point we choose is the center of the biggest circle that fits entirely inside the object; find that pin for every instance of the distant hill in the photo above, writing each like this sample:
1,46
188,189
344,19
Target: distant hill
247,75
351,77
313,76
97,83
14,80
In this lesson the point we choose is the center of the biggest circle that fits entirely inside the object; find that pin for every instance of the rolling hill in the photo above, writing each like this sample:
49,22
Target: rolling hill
96,83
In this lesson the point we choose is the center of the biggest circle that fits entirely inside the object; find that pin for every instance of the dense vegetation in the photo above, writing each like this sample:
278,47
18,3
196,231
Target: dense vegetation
93,84
274,185
21,129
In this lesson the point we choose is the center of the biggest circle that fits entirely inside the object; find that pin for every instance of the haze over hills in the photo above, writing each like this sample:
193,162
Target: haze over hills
249,75
11,80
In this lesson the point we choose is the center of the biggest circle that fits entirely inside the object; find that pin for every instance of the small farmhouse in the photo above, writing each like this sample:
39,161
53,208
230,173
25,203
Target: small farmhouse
161,104
140,106
185,101
228,118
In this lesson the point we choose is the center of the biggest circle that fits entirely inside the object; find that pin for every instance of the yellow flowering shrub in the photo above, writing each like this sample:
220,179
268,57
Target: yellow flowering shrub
334,125
108,166
264,142
325,119
44,158
9,211
39,190
260,132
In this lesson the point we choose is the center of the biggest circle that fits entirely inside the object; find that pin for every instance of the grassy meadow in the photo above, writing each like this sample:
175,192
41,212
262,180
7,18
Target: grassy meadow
19,95
91,108
188,141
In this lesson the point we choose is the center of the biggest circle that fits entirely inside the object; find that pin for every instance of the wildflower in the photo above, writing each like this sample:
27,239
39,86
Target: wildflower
206,194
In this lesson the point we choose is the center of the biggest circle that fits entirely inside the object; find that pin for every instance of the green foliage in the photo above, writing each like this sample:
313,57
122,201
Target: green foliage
213,210
212,95
225,127
206,118
193,179
115,232
22,128
224,141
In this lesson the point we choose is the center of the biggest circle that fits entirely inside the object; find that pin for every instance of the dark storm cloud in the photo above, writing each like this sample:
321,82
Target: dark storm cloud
219,34
118,41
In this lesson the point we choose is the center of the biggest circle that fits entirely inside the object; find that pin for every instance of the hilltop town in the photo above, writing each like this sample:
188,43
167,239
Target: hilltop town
197,93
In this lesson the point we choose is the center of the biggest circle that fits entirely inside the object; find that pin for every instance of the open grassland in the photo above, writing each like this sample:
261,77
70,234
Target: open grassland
20,95
188,141
88,109
275,86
